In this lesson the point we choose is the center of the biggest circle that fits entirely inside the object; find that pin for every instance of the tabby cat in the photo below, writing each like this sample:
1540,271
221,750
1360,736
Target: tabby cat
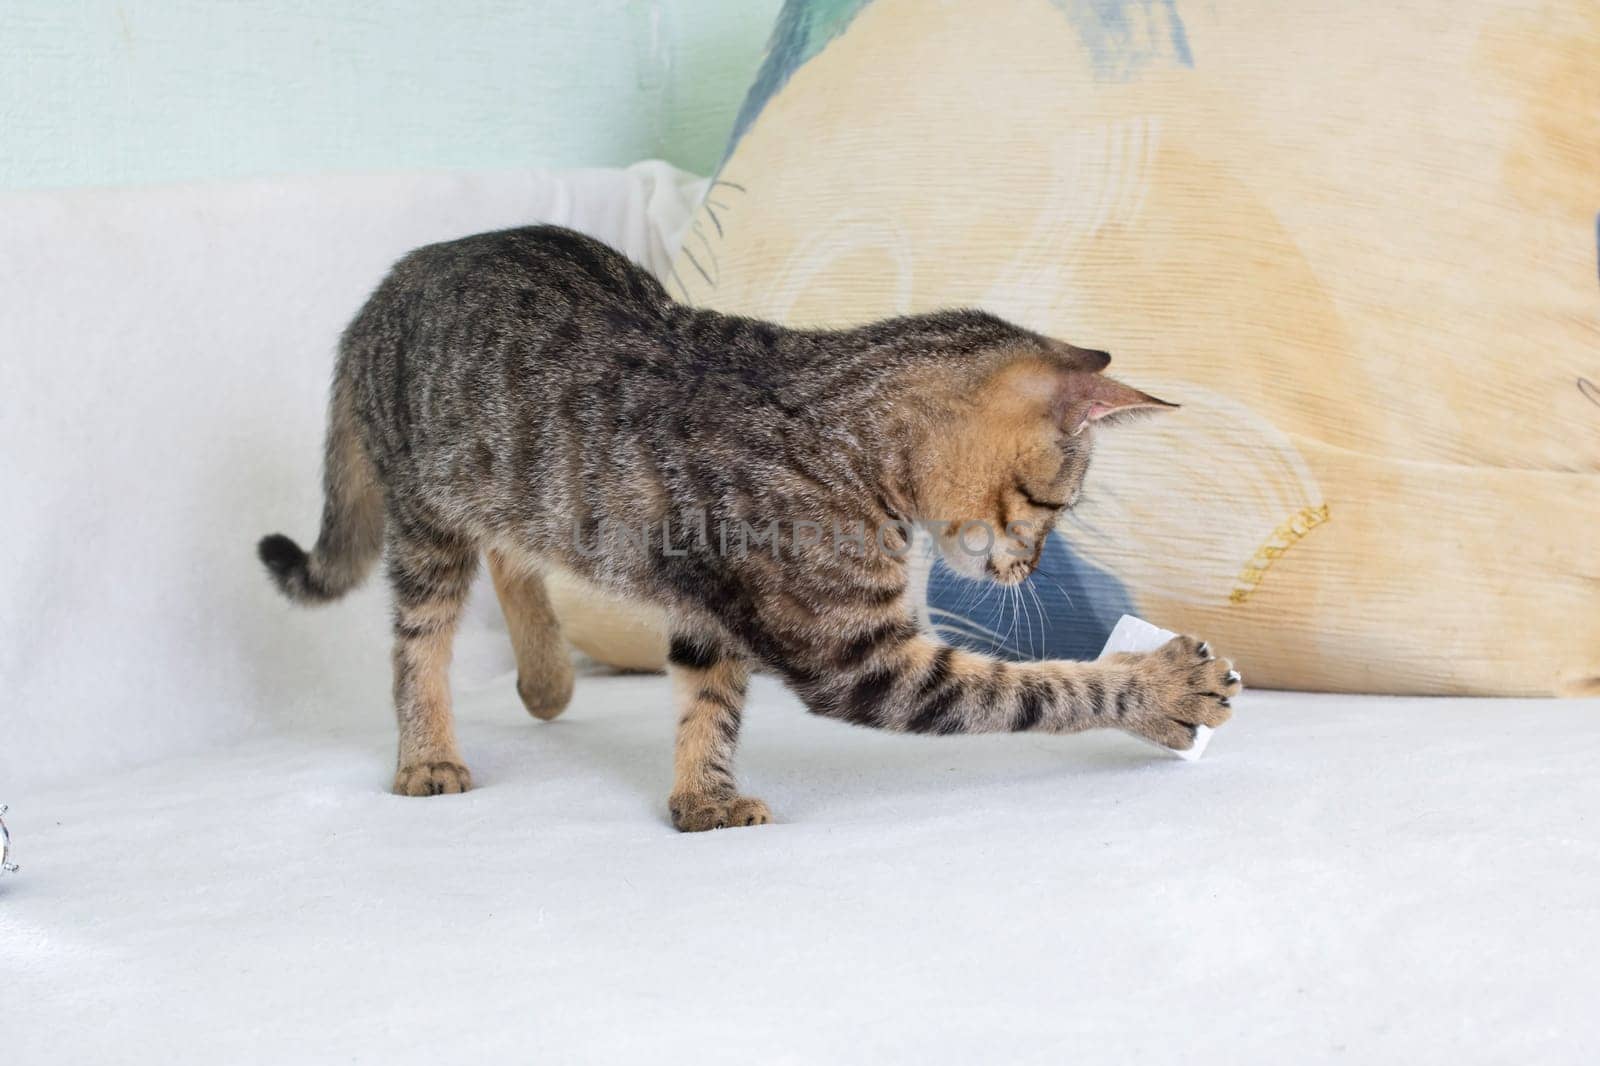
533,396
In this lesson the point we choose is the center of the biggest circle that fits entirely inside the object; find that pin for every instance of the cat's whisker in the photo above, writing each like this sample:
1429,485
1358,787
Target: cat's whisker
1024,620
984,589
1035,633
1059,588
1014,598
1038,649
1043,621
971,595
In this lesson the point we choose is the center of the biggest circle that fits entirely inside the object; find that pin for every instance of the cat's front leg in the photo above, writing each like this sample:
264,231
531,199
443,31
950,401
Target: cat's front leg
890,676
710,681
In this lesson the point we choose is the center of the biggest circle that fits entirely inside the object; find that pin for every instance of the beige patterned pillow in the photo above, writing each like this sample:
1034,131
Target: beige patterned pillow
1357,240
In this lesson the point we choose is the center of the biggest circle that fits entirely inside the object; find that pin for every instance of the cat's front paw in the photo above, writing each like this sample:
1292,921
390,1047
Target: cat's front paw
1184,686
432,779
697,812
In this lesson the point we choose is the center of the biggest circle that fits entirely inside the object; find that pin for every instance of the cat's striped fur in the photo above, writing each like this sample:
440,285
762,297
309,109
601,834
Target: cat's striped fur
533,395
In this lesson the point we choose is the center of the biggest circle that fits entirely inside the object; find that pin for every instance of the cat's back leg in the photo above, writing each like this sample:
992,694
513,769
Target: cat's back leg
430,573
544,667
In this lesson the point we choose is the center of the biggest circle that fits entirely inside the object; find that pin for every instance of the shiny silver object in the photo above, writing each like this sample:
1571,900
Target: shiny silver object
6,865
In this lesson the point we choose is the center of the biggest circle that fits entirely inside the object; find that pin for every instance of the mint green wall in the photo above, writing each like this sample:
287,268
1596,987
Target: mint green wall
114,91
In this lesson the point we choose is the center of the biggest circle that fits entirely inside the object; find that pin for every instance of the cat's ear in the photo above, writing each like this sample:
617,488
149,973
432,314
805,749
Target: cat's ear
1084,398
1072,399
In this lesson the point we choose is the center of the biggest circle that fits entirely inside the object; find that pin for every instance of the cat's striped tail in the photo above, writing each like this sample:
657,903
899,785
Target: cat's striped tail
352,517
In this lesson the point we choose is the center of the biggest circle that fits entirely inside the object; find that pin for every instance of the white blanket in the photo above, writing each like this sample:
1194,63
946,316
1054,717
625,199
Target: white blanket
1339,880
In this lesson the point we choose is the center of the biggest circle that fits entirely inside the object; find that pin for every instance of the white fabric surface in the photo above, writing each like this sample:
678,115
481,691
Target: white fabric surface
1339,880
164,360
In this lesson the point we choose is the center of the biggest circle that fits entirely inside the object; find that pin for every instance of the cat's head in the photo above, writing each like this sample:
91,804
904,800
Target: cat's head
1009,453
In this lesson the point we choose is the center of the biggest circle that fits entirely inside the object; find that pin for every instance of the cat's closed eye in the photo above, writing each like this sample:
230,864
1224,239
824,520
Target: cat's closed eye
1041,500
